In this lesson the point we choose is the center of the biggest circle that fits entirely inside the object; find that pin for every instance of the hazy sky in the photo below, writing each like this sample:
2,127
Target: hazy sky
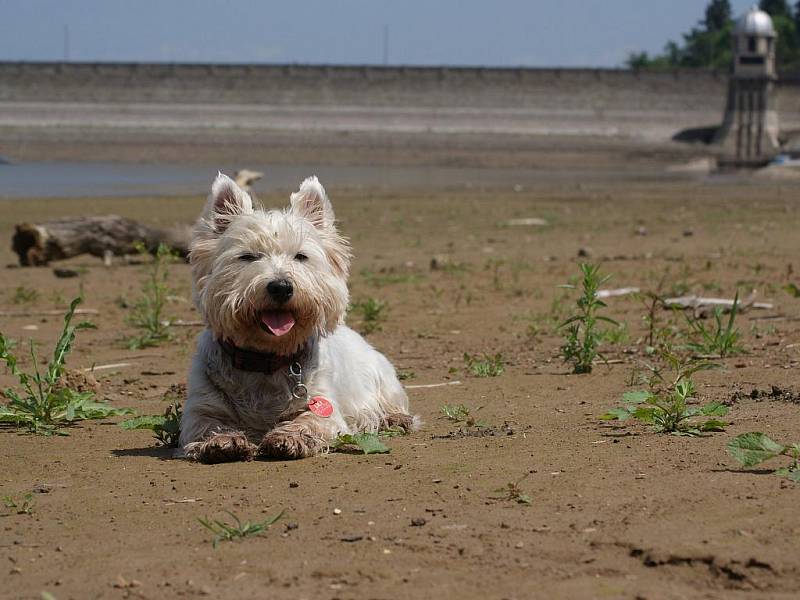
421,32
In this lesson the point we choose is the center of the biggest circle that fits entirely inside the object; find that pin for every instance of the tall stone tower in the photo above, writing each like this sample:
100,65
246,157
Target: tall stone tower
749,133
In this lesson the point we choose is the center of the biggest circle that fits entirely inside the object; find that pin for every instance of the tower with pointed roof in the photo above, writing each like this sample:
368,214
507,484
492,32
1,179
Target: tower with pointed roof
749,132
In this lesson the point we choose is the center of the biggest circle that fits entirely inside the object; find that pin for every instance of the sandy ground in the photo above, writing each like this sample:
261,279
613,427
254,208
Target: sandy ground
212,143
615,512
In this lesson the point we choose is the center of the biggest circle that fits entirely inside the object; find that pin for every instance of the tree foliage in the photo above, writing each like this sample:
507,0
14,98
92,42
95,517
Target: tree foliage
708,45
776,8
718,15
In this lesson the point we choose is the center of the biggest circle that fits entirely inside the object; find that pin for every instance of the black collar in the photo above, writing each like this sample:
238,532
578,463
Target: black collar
268,363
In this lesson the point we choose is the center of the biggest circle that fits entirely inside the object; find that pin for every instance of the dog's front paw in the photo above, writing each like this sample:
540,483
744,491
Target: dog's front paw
290,442
407,423
221,447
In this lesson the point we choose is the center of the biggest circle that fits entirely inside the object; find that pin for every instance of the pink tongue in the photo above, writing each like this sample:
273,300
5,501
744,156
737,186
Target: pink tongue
279,322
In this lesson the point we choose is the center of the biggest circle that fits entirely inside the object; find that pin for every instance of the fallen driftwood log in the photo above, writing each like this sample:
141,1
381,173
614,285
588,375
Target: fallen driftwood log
702,305
101,236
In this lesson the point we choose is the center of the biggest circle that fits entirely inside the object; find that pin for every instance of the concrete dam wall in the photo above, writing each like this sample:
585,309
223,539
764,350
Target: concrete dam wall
595,102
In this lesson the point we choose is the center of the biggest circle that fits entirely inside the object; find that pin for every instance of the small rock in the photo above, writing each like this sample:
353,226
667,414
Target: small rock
641,230
688,232
419,522
584,252
337,511
293,484
352,538
65,273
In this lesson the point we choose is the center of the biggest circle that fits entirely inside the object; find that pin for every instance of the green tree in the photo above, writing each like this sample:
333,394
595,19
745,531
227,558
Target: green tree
718,15
709,44
787,51
776,8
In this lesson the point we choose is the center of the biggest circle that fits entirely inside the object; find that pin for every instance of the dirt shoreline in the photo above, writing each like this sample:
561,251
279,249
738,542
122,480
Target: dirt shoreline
616,511
214,146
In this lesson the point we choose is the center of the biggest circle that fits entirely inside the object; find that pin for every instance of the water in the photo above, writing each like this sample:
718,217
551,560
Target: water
115,179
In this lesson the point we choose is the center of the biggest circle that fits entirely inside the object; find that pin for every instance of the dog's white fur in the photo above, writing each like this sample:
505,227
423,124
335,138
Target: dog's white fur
226,403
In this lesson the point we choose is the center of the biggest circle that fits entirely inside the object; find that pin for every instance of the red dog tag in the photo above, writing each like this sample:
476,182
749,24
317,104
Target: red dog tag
320,406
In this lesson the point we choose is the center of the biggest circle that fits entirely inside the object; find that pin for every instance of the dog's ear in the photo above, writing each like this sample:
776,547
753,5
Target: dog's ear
311,202
227,200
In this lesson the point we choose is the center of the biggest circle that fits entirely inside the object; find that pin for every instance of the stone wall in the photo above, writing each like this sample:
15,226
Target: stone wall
360,86
608,101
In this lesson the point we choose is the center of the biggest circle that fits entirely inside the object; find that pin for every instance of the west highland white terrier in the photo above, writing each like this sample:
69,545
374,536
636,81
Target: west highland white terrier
277,373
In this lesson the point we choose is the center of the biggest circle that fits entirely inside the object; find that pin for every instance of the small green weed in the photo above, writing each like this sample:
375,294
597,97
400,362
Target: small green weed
148,310
166,428
618,335
485,365
406,374
754,448
461,414
582,336
24,295
367,443
792,290
22,506
372,312
228,532
45,404
383,278
57,298
665,407
722,340
513,492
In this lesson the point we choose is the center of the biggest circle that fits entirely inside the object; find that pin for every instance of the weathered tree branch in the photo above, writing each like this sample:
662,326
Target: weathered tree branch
101,236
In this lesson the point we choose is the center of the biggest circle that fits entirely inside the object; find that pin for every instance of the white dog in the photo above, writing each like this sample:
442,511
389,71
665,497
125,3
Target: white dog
277,373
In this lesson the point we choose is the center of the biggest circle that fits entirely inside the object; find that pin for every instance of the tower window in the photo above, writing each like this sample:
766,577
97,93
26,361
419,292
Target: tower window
751,43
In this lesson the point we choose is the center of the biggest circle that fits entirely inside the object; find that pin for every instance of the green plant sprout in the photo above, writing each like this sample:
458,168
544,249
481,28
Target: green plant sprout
461,414
373,313
45,403
665,407
367,443
722,340
21,507
148,311
512,491
25,295
485,365
228,532
754,448
166,428
582,336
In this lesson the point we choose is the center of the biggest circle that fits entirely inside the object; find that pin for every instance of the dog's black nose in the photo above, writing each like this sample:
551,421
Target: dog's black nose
280,290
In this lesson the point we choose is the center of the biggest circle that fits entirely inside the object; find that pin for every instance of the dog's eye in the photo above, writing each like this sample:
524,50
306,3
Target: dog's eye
248,257
300,257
